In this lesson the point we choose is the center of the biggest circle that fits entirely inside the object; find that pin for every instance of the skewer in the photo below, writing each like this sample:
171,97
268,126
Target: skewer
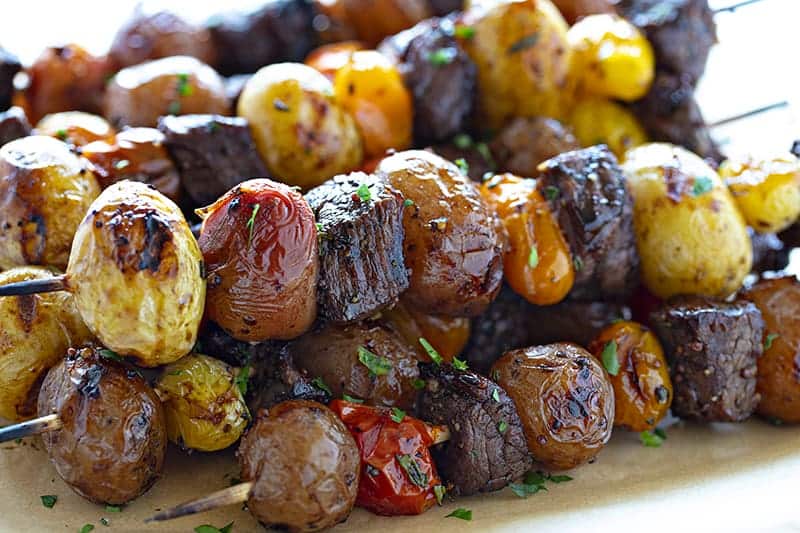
735,6
35,286
747,114
31,427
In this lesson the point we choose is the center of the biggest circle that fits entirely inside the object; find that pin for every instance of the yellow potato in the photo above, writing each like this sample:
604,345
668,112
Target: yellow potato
303,135
614,59
76,127
136,272
691,237
766,190
601,121
36,331
45,191
202,402
520,49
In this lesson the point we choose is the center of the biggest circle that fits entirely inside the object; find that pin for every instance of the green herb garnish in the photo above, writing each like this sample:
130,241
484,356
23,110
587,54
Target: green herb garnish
242,378
496,395
49,500
363,192
61,134
522,44
319,383
464,32
377,365
502,426
251,222
442,56
462,165
559,478
463,514
439,491
397,415
348,398
432,353
652,439
458,364
533,257
86,528
577,262
610,359
184,87
205,528
768,341
414,472
408,202
109,354
113,508
486,154
702,184
418,384
462,141
551,192
174,108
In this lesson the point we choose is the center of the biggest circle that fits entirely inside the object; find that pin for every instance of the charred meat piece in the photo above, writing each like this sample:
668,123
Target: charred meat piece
511,323
212,153
443,7
526,142
712,348
444,94
13,125
480,163
479,457
770,254
669,112
277,31
681,32
360,225
587,192
9,66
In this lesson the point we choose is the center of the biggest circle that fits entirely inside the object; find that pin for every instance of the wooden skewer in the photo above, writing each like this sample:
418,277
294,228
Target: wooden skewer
35,286
31,427
230,496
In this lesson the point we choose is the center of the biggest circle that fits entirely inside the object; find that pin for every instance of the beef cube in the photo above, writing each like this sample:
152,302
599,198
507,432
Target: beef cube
770,254
13,125
586,190
362,269
444,7
213,153
526,142
9,66
479,457
712,348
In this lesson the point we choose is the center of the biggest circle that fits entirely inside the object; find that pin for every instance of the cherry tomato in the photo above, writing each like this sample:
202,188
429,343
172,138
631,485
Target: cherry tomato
448,335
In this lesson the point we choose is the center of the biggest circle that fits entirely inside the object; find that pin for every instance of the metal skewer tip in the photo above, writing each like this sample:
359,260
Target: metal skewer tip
34,286
230,496
31,427
734,7
748,114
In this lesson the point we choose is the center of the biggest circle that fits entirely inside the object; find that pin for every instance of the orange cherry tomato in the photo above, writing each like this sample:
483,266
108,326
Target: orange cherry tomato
448,335
538,263
329,58
398,474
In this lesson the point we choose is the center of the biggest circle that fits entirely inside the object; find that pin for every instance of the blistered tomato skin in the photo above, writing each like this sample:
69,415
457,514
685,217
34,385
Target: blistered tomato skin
259,242
537,264
642,386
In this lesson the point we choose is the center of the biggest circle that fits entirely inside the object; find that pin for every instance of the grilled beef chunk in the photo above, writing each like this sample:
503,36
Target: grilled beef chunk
443,7
526,142
13,125
669,112
479,457
478,157
362,269
277,31
681,32
212,153
712,348
9,66
769,252
444,95
586,190
511,322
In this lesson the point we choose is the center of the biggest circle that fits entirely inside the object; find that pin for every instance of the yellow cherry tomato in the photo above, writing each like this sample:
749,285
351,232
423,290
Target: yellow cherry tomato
601,121
329,58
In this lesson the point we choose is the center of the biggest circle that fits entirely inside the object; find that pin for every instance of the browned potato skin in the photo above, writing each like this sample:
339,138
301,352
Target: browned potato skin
564,399
574,10
113,440
779,368
642,387
331,353
304,467
453,241
75,127
45,191
138,95
372,20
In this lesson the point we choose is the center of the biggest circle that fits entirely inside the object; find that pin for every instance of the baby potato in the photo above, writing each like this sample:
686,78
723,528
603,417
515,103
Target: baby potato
638,372
45,191
615,59
137,274
329,58
574,10
370,88
767,190
203,404
453,239
371,20
447,335
523,58
600,121
75,127
36,333
537,264
177,85
691,237
564,399
304,136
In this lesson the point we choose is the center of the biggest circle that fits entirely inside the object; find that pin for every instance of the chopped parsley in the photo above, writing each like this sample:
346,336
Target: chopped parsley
702,185
109,354
533,257
377,365
439,491
61,134
418,384
535,482
184,86
577,262
351,399
86,528
653,439
408,202
442,56
496,395
113,508
559,478
414,472
49,500
610,359
486,154
464,32
463,514
502,426
462,165
458,364
524,43
768,341
462,141
551,192
319,383
205,528
242,378
432,353
174,108
251,222
397,415
364,193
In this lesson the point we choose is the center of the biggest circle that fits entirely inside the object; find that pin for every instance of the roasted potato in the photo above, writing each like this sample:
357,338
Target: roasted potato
45,191
520,48
37,330
137,274
614,58
537,264
600,121
364,360
304,136
691,237
203,403
766,190
370,88
453,240
778,378
371,20
75,127
574,10
634,360
178,85
564,399
259,242
329,58
447,335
